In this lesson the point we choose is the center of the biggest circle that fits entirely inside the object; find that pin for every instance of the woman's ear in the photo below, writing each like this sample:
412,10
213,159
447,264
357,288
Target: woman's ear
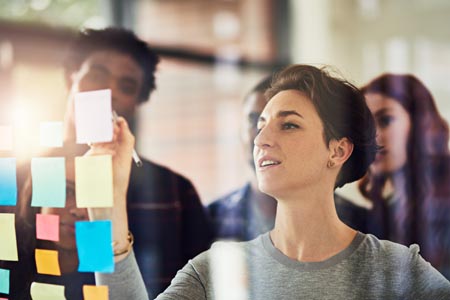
340,151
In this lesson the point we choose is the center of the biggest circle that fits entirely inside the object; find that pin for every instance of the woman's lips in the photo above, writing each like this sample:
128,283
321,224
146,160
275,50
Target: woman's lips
380,155
267,162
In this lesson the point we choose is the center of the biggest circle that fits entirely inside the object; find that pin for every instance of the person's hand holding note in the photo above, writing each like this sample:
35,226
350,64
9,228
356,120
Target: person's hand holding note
120,149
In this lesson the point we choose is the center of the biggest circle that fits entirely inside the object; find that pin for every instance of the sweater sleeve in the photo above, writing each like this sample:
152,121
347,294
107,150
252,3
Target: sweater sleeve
126,282
425,281
191,282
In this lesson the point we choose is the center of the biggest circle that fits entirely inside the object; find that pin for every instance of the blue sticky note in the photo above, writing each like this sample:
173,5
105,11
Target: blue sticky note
8,185
49,181
94,245
4,281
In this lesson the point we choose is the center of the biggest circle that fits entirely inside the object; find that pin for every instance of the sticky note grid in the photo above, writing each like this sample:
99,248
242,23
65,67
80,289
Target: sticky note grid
94,188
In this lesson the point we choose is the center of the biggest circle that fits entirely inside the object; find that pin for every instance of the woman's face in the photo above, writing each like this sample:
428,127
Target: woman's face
290,152
69,214
393,128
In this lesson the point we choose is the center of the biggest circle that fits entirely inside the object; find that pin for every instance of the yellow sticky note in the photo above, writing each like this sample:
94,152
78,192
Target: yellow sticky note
92,292
44,291
8,248
94,181
47,262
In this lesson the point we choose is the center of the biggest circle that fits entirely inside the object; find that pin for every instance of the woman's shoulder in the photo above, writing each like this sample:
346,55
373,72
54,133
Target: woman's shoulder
387,248
396,258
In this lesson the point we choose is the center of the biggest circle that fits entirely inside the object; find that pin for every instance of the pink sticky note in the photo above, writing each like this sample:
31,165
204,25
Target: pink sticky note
47,227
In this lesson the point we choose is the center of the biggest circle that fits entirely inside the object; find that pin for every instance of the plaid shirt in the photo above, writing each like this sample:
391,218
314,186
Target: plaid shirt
234,216
168,222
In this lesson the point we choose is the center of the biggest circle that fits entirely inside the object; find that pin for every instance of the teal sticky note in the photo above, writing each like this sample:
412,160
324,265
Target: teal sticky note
48,175
8,182
94,245
4,281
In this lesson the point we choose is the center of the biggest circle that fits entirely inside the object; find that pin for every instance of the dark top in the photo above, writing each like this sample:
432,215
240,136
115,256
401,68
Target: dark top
234,216
168,222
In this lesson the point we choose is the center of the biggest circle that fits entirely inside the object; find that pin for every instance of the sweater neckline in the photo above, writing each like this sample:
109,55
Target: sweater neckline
310,266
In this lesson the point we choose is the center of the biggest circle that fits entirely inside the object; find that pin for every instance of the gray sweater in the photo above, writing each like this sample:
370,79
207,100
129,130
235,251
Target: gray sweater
367,269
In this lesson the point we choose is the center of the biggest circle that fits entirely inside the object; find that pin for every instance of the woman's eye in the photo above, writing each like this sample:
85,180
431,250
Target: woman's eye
289,126
385,121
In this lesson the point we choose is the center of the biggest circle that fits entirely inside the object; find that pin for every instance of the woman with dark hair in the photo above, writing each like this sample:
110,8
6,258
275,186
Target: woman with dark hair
409,181
316,133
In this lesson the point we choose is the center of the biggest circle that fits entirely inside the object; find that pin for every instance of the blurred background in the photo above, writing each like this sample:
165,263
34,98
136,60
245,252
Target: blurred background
213,52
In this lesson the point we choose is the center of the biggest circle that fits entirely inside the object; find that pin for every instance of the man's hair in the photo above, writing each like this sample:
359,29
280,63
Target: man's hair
260,87
342,110
118,40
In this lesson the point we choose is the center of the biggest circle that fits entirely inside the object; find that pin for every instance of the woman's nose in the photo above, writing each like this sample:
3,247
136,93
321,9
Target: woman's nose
264,138
379,138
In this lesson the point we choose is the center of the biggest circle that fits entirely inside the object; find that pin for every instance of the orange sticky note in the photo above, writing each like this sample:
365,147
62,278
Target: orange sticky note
93,292
8,248
47,227
47,262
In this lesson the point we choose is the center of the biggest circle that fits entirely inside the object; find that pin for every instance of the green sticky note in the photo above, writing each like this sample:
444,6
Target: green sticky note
51,134
4,281
44,291
8,249
49,181
8,181
94,181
